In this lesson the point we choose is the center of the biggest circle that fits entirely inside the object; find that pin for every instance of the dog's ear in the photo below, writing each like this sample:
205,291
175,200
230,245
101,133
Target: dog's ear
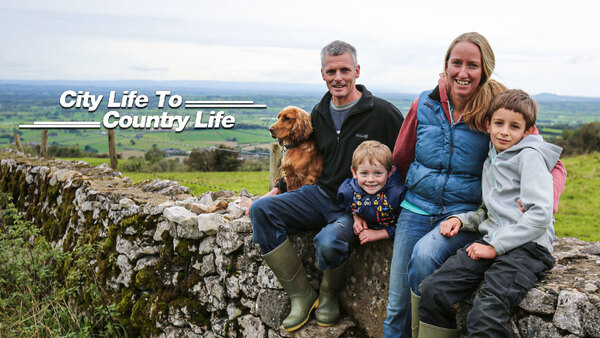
302,129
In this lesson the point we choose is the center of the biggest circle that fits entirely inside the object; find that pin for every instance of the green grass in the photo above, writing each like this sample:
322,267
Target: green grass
93,161
256,182
579,209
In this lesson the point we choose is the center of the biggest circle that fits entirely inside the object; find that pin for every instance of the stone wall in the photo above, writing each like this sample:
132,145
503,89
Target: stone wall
179,265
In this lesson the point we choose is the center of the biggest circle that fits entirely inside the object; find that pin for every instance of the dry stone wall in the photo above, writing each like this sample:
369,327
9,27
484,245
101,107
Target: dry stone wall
178,265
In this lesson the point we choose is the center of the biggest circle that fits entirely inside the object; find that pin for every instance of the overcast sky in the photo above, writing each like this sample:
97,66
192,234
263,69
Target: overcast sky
540,46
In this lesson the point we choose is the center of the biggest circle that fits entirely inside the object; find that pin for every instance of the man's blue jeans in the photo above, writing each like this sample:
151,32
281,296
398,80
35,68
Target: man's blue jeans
308,208
419,249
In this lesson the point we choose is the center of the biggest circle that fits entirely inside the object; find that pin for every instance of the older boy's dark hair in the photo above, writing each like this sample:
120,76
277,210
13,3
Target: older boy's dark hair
518,101
372,151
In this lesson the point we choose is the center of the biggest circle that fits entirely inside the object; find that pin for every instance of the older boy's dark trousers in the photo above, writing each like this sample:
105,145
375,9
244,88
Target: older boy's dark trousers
506,280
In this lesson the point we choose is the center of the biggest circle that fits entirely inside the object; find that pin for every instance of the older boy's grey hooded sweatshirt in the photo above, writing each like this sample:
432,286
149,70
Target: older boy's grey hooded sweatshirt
520,172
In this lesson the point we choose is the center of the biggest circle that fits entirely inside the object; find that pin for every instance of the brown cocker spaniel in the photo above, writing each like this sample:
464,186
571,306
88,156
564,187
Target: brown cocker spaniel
302,162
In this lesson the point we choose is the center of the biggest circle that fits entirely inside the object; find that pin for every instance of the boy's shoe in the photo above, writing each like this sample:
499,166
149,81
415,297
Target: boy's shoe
431,331
328,311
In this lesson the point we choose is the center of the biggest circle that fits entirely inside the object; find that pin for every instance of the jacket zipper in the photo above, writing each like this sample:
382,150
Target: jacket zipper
492,168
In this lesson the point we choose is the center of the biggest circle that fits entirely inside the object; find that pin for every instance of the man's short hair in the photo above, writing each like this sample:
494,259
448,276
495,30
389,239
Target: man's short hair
338,47
518,101
372,151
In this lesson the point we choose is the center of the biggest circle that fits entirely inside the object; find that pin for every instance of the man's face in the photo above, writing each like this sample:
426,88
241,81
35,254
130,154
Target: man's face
340,74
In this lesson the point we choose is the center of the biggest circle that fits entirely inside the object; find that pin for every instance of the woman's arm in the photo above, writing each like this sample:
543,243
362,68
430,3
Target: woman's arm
559,179
404,150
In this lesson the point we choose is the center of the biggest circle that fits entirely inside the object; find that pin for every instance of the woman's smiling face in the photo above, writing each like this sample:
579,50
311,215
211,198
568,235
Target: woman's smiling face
464,71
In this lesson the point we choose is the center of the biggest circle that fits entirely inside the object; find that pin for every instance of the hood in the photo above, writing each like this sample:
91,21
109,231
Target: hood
550,152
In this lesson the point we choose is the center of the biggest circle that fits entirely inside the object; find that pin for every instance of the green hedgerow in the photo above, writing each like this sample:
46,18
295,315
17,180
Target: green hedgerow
43,290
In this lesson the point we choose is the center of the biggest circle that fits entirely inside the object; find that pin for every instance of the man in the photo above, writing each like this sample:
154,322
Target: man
347,115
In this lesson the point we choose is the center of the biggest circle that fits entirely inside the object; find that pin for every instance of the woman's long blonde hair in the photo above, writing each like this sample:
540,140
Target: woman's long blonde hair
476,108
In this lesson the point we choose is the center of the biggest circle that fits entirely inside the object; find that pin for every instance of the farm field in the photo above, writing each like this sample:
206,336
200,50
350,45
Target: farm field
24,104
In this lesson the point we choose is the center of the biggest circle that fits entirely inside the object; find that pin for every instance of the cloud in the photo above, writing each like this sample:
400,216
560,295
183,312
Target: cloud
141,68
400,44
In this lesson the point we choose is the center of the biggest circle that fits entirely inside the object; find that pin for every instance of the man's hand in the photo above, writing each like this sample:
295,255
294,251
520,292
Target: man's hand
369,235
450,227
359,224
477,251
273,192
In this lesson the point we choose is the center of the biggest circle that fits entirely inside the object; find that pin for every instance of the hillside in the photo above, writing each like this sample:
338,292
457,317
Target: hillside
24,102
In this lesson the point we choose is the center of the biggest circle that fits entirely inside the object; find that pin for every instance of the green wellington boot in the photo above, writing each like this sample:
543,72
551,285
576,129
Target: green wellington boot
432,331
288,268
414,309
328,311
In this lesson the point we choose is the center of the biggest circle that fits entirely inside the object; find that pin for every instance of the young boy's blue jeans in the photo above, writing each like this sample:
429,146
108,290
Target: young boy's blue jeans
506,280
308,208
419,249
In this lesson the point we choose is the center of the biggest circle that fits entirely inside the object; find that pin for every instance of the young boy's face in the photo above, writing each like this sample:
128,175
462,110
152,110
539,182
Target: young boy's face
506,129
371,177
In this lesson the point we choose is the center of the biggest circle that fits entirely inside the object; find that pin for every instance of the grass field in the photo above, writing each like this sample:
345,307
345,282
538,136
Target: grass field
579,209
256,182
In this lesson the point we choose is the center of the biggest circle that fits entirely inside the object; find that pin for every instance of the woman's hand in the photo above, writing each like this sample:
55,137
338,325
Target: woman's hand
450,227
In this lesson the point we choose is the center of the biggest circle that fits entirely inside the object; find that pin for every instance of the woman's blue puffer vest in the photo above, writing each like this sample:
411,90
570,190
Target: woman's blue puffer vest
445,176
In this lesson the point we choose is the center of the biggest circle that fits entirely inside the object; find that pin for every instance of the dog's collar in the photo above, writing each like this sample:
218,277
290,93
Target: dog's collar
291,146
286,147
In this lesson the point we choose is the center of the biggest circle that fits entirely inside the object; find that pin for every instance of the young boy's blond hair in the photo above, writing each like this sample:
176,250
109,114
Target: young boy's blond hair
518,101
371,152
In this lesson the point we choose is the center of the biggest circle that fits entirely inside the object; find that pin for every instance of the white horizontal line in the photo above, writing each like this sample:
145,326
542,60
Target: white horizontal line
65,123
219,102
225,106
59,126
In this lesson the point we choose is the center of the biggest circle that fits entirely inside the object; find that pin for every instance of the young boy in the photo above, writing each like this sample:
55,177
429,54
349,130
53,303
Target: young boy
374,194
515,249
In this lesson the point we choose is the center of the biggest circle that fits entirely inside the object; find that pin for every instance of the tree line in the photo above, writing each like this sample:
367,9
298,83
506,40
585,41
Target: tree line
585,139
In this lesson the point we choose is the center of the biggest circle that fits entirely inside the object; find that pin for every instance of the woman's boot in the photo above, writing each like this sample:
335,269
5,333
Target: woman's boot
414,311
288,268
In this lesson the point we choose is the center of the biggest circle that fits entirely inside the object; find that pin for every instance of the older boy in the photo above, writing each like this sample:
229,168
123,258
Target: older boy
515,249
374,193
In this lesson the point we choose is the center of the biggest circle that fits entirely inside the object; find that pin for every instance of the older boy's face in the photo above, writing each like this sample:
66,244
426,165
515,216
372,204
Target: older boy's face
506,129
371,177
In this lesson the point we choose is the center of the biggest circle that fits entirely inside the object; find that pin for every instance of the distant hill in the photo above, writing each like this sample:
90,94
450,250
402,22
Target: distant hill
548,97
182,87
242,88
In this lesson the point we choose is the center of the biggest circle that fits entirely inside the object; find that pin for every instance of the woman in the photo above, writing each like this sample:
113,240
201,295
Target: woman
440,150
